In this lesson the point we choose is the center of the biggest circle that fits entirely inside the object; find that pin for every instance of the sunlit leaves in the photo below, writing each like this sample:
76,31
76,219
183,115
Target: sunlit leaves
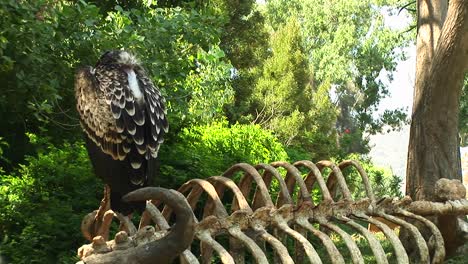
42,204
348,42
208,150
210,87
282,93
42,43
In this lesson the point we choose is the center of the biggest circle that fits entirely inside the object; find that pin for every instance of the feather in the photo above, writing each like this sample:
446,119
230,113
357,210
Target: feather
129,96
135,158
121,101
126,146
139,116
124,118
130,108
139,136
141,149
119,125
116,110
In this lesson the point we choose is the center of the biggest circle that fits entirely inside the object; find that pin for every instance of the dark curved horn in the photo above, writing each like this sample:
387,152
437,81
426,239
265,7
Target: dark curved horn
181,235
165,249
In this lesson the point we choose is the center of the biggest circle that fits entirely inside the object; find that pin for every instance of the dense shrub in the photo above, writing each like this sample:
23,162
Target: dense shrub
208,150
42,204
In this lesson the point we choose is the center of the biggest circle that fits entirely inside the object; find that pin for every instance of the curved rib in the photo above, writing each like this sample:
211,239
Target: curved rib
374,244
400,252
256,251
337,176
284,196
223,254
356,255
250,173
239,202
315,175
362,172
439,252
333,253
293,177
419,239
280,221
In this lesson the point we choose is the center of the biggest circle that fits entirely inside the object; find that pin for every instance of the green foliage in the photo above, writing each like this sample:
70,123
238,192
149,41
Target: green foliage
43,42
210,87
287,103
382,180
281,96
244,35
42,204
349,46
320,136
245,40
209,150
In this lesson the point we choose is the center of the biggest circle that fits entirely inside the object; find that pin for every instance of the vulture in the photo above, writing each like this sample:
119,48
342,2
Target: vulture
124,118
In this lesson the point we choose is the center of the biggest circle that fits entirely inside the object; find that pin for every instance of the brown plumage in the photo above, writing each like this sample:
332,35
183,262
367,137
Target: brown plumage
123,115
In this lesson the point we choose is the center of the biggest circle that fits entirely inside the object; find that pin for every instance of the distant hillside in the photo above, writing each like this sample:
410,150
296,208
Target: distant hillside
391,149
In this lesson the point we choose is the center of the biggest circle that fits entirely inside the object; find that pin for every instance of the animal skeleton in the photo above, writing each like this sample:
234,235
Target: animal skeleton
255,221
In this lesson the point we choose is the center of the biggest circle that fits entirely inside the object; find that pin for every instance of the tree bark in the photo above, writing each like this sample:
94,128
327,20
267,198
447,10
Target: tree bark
441,64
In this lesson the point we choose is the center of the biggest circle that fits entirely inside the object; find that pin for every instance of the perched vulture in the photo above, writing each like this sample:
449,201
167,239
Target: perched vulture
124,117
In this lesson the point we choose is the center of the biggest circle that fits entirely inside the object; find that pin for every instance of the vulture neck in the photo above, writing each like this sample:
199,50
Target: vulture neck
133,84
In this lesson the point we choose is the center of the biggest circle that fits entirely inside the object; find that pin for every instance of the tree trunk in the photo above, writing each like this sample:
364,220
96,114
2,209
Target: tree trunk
441,63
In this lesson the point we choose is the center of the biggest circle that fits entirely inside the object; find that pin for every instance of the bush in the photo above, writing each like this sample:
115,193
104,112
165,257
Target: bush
42,204
208,150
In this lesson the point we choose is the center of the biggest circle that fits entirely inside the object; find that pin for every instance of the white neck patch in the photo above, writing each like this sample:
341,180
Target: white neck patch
133,84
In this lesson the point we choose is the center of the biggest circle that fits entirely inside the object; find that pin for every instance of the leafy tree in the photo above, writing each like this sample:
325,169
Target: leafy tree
349,45
286,102
210,87
282,96
245,40
319,135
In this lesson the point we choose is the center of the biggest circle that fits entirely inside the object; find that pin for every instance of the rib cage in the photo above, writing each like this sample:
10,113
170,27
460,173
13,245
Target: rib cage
259,224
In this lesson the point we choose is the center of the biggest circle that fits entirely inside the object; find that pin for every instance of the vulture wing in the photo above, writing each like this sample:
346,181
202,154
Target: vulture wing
95,115
123,113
